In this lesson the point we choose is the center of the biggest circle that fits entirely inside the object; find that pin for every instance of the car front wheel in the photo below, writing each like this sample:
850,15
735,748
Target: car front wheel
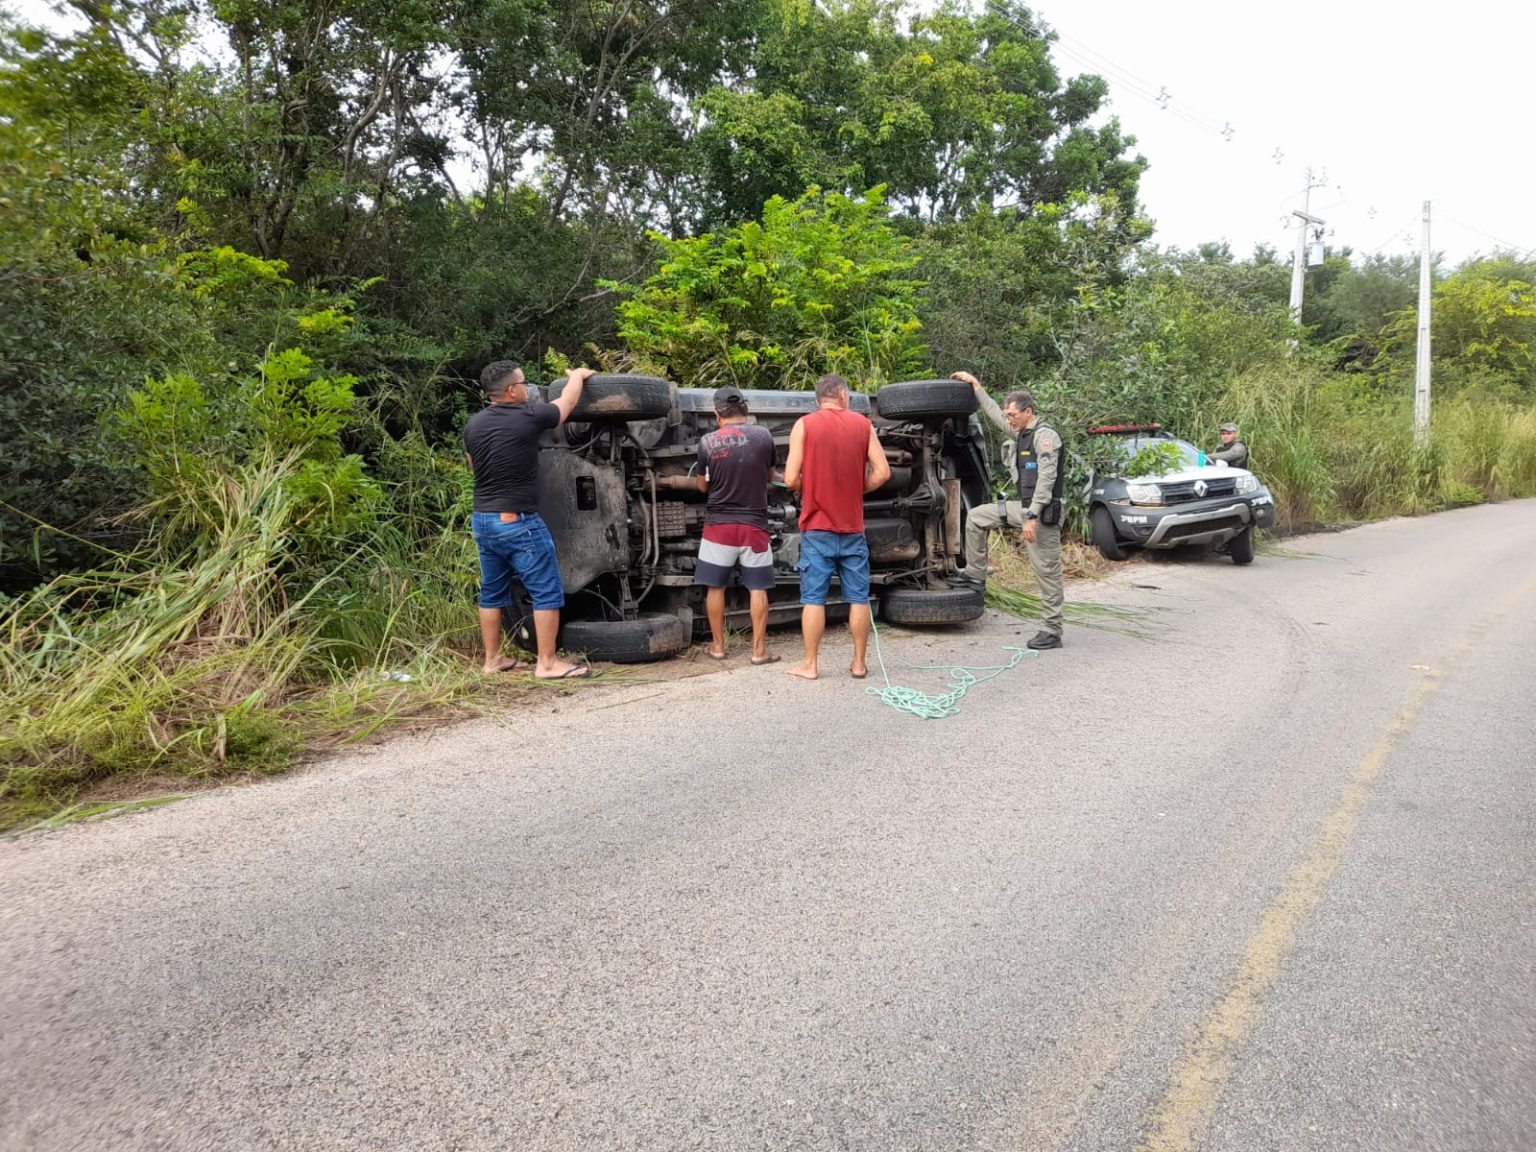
1104,538
1240,548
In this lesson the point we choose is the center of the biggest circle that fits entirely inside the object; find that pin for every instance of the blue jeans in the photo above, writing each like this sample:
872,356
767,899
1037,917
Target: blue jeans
524,549
821,554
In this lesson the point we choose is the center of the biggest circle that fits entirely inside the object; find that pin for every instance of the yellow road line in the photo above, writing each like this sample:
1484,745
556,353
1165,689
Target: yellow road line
1187,1106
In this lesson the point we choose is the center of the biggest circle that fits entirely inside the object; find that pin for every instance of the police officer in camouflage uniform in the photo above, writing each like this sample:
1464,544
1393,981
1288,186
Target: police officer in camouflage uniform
1036,466
1232,451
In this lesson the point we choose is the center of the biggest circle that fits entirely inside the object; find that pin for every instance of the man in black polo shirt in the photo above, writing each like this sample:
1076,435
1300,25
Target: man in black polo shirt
502,445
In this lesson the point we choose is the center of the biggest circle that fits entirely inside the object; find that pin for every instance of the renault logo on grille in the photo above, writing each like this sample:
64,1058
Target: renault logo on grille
1199,487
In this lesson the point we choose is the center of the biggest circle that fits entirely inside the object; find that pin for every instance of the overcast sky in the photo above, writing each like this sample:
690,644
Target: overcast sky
1395,104
1392,106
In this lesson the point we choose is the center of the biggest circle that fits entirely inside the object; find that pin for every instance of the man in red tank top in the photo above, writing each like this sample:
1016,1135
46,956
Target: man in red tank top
834,459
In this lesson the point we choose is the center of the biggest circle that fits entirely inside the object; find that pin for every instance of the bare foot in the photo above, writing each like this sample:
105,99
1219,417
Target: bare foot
503,664
560,670
859,671
713,655
803,670
765,657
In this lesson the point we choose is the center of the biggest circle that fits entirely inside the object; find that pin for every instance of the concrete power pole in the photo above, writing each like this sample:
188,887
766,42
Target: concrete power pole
1421,361
1304,220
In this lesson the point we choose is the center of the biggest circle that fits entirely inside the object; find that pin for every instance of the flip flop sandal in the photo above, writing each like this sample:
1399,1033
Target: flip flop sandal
577,673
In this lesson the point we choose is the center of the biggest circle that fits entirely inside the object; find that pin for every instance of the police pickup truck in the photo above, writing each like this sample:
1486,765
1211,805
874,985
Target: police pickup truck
1170,496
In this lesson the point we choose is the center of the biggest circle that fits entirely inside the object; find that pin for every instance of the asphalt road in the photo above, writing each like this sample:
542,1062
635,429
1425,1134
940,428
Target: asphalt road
1266,880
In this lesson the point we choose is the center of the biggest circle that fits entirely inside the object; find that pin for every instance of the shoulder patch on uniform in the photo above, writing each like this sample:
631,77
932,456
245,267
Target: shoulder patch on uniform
1047,441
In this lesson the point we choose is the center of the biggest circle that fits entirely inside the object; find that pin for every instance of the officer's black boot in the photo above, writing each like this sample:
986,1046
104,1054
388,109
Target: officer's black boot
1043,640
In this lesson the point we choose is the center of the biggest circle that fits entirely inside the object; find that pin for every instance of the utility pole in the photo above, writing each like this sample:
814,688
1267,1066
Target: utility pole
1304,220
1421,360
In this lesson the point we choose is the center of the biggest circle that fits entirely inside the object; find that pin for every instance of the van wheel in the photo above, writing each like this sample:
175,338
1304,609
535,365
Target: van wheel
925,399
614,398
932,605
1104,538
653,636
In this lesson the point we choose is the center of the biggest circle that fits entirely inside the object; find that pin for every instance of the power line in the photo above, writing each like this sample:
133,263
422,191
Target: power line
1138,86
1506,244
1405,229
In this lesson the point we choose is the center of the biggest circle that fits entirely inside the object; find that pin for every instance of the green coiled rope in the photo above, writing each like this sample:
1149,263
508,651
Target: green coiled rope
961,679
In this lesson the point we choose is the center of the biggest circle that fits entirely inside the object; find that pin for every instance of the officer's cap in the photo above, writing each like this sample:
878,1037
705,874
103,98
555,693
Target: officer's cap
1229,427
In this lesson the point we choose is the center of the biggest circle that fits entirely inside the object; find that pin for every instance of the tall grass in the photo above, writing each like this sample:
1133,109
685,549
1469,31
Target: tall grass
1330,450
229,656
1517,456
1275,407
1489,445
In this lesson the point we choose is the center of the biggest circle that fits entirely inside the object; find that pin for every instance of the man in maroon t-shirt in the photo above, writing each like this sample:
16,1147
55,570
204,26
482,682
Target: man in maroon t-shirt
834,459
735,466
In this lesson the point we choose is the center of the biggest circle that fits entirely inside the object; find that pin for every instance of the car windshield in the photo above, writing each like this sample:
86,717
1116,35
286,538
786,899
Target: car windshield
1177,454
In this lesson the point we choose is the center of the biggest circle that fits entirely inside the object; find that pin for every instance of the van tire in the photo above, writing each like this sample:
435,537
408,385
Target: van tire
925,400
613,398
652,636
932,605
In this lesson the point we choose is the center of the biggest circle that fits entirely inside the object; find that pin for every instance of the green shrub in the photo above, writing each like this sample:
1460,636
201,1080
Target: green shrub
823,284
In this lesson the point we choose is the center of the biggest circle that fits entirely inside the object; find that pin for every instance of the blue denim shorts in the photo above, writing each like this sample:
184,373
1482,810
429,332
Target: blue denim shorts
822,554
524,549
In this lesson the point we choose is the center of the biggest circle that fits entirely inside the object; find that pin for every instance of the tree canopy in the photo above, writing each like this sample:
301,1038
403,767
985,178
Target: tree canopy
757,191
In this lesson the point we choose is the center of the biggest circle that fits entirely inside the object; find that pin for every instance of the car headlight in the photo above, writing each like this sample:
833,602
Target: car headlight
1248,483
1143,493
